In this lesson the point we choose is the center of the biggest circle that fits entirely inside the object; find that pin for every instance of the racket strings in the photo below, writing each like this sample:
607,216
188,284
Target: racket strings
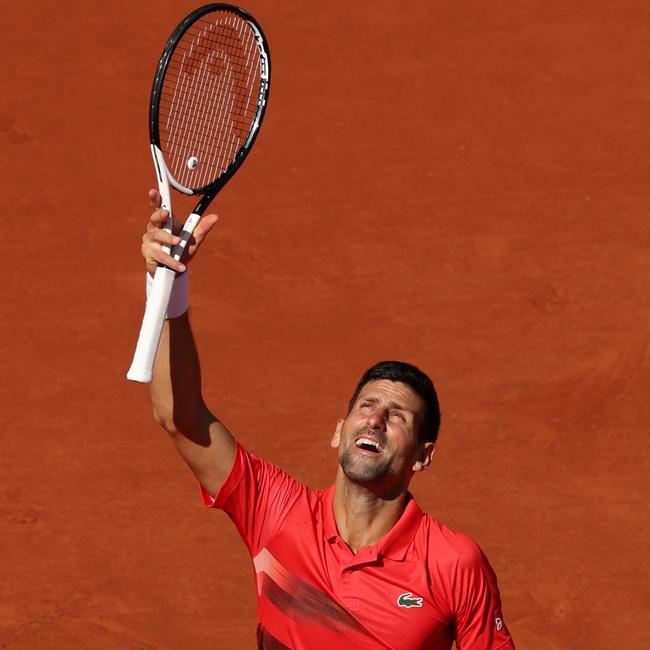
210,98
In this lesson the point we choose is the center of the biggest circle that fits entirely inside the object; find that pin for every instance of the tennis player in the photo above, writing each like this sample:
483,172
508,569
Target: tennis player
358,565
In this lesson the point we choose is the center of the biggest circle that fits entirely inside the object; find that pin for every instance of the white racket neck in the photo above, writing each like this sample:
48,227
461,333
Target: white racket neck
165,176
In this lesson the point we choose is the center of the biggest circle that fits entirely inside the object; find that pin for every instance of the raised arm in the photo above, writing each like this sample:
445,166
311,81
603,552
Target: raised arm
202,440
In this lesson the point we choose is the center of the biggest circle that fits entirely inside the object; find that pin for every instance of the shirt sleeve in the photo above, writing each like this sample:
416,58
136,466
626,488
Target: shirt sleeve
479,619
257,496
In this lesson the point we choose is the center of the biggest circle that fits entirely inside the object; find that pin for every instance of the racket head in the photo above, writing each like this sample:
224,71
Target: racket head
209,97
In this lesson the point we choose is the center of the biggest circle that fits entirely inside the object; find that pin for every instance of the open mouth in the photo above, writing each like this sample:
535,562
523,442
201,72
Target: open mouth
369,445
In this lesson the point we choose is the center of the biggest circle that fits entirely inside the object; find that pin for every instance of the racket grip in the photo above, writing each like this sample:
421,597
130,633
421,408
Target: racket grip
141,369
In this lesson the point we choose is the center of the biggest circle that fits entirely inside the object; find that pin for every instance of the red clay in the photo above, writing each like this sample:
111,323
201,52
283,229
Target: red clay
458,186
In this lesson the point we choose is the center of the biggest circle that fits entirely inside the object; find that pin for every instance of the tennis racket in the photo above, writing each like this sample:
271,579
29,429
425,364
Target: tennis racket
207,103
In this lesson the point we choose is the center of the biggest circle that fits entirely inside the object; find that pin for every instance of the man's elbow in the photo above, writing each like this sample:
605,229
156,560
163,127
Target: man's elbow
192,424
165,418
175,421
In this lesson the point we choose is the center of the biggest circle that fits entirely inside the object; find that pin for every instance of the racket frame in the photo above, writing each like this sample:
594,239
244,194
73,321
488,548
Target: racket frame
141,369
211,189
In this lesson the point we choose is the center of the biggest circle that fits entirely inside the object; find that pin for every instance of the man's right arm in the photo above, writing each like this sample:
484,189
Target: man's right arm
202,440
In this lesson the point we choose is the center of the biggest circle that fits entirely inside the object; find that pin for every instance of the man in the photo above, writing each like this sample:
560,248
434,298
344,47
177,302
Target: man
356,566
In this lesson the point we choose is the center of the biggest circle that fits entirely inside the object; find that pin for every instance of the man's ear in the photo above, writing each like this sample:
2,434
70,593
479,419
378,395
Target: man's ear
425,454
336,438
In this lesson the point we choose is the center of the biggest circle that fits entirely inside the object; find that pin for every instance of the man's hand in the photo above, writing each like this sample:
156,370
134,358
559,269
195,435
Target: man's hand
156,237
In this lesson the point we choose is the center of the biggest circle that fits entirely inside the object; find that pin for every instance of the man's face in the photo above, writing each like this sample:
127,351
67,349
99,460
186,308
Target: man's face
378,440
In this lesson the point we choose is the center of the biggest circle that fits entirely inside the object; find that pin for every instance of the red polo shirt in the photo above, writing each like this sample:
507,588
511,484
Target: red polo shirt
421,586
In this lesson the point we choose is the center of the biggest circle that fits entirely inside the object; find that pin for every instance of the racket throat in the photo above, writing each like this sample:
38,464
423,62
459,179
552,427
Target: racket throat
185,234
203,203
165,178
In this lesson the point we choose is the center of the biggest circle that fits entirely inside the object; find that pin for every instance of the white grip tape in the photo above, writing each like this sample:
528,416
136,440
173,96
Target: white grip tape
141,369
179,298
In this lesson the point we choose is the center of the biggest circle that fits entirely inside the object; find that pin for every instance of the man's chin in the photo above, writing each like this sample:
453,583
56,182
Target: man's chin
361,473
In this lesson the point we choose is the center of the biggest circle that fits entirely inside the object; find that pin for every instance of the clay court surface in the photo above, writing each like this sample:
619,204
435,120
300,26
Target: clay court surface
464,185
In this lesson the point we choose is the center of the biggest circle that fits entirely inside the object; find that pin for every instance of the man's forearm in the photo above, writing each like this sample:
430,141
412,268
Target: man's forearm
176,385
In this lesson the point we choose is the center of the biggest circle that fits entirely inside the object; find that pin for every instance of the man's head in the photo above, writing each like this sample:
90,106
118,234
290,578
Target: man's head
390,429
419,382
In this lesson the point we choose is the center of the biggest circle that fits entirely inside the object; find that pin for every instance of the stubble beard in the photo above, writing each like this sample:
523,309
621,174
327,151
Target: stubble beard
359,471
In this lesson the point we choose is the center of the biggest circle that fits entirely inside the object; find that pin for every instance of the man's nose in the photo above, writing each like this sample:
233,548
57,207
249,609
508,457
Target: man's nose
377,419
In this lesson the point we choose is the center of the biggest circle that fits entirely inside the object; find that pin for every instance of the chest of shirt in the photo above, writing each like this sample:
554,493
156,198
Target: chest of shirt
363,595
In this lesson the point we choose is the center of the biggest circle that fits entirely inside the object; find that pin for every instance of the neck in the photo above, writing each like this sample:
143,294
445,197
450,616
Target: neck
364,514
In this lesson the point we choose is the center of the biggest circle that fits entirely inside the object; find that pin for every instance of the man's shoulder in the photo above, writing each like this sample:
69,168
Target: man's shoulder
257,478
447,545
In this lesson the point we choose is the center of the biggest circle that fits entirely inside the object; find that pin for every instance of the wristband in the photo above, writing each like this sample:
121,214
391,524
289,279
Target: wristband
179,298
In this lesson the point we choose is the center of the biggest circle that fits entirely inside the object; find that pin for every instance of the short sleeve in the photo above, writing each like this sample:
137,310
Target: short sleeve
479,620
257,496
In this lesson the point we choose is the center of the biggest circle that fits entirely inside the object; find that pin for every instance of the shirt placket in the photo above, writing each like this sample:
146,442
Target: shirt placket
350,568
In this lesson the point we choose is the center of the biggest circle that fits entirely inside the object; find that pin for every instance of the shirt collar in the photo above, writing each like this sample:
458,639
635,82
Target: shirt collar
395,543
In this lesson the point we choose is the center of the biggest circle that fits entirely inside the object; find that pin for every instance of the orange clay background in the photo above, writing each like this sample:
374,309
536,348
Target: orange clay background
464,185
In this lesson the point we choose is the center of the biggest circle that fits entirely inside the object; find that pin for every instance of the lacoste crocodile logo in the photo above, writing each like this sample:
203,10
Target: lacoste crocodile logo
409,600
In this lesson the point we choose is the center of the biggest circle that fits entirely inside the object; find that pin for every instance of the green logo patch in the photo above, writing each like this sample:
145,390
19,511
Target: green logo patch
409,600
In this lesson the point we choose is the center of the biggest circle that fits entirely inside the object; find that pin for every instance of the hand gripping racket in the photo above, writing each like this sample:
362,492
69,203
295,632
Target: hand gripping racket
207,103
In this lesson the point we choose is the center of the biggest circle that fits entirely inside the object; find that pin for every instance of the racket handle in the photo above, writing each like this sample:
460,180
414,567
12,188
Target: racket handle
141,369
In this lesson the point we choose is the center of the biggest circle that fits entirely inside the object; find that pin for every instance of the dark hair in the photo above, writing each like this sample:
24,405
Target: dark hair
413,377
